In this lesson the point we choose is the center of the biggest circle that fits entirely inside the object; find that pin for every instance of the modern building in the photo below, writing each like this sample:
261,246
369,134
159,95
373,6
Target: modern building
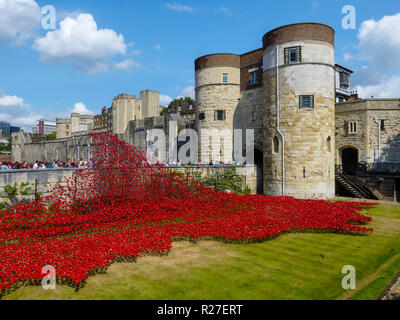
6,129
44,127
343,83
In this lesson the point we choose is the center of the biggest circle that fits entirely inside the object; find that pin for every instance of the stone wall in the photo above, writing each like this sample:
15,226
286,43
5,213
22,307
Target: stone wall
248,116
365,140
46,179
77,147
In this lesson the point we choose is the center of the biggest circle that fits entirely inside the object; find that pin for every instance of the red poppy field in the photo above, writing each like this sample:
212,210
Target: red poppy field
125,207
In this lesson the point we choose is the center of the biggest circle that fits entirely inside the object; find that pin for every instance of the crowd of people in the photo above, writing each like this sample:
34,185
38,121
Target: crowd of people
71,163
204,164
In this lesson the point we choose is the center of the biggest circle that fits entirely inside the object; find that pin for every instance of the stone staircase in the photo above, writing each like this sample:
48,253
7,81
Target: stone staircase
355,186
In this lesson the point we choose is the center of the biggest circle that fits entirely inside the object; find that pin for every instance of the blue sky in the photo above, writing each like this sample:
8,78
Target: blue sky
41,75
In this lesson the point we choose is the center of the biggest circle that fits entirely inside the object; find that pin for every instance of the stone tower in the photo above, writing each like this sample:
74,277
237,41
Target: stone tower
150,103
217,96
125,108
299,118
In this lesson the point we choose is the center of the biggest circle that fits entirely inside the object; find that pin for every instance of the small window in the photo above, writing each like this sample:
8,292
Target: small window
344,80
250,96
306,102
293,55
353,127
220,115
253,77
382,125
67,126
328,144
202,116
225,78
276,144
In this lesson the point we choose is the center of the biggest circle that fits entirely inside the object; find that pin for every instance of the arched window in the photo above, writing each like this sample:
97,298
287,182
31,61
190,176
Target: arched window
276,144
329,143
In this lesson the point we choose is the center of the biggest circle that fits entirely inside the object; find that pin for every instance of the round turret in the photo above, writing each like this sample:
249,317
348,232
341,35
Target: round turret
299,126
217,96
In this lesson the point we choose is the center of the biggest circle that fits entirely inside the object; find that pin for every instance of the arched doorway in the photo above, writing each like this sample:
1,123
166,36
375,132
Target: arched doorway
349,160
259,162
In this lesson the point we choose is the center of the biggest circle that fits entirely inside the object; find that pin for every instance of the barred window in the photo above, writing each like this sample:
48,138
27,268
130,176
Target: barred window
306,102
293,55
253,77
219,115
225,78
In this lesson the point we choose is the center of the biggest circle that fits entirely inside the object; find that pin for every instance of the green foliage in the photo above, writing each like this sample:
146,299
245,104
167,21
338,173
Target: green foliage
163,111
14,191
4,205
11,191
6,147
24,189
52,136
188,100
227,180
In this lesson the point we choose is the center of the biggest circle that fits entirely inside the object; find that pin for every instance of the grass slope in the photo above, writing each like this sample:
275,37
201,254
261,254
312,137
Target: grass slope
293,266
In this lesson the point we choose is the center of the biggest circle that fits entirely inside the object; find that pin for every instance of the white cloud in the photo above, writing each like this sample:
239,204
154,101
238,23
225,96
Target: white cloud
10,101
347,57
20,19
78,40
379,47
315,5
179,7
188,92
27,121
165,100
81,108
225,11
4,116
380,42
387,88
157,47
127,64
136,52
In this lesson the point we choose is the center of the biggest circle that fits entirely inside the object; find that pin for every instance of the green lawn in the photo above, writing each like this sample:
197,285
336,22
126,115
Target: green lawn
293,266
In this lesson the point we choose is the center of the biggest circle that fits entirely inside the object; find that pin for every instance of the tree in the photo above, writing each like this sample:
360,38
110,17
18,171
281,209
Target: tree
187,100
52,136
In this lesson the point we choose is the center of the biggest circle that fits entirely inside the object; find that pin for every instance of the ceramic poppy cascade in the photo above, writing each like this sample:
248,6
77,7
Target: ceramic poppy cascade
124,208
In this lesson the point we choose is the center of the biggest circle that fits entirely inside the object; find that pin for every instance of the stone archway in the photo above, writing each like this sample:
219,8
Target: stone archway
349,157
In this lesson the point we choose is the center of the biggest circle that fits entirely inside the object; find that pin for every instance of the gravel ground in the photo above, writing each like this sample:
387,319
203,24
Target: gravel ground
393,292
